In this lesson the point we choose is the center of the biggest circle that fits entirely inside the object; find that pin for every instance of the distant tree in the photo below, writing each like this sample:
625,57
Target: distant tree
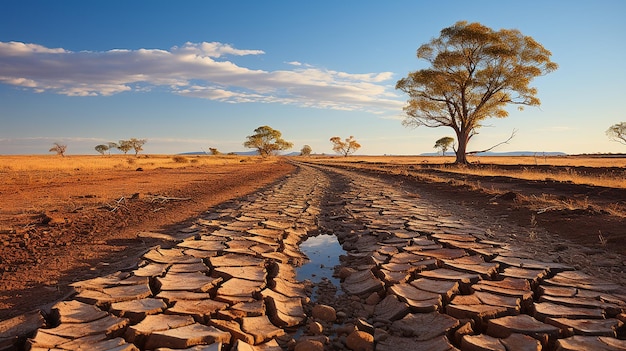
111,145
444,144
124,146
617,132
102,148
347,147
214,151
59,149
137,144
267,141
306,151
475,73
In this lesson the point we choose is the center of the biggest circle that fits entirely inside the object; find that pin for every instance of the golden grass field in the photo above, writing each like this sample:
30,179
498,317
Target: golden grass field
565,168
92,162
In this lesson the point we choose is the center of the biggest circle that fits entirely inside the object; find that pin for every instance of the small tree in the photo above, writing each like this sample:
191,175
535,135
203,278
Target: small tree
137,144
214,151
267,141
124,146
444,144
617,132
111,145
347,147
306,151
102,148
475,73
59,149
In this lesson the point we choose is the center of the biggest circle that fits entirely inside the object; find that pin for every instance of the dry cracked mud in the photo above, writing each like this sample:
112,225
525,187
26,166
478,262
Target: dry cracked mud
413,277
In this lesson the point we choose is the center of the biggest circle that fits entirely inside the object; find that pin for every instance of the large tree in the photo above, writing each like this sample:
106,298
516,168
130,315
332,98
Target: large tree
475,73
267,141
345,147
617,132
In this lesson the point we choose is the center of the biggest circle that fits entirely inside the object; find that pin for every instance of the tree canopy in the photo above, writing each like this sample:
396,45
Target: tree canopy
59,149
267,141
347,147
124,146
444,144
306,150
102,148
617,132
137,144
475,72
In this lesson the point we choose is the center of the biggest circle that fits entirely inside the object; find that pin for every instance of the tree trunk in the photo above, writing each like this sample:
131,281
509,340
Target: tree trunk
461,151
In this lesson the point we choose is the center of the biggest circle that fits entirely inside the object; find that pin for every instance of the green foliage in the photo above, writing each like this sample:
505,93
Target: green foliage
267,141
475,73
444,144
617,132
131,144
59,149
347,147
124,146
306,150
102,148
137,144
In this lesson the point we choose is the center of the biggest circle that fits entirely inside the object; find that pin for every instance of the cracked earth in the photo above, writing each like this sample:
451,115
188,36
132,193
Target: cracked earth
418,273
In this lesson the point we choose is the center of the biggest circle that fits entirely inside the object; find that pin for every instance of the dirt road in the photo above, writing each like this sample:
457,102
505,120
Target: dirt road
420,272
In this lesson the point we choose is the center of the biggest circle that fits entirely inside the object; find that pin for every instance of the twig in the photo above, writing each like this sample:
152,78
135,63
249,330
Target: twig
164,199
158,209
547,209
113,208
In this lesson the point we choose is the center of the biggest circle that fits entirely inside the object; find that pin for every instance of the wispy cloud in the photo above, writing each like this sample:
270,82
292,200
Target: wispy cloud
199,70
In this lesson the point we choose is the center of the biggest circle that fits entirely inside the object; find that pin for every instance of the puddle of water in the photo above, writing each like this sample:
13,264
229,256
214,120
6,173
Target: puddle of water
323,252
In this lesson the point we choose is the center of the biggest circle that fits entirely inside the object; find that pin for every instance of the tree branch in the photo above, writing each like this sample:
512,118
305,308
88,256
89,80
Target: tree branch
493,147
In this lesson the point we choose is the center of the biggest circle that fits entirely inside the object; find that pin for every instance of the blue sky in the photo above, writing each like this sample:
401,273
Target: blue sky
189,75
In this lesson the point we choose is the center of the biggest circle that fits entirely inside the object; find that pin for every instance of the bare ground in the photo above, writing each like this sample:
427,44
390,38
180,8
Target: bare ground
75,227
86,225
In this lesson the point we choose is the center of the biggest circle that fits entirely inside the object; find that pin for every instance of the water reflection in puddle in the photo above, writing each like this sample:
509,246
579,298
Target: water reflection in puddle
323,252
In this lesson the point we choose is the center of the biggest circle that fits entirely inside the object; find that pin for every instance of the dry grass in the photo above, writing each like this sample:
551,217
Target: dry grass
29,169
86,163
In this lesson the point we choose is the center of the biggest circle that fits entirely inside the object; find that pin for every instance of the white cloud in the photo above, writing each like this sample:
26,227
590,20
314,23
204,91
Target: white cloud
193,69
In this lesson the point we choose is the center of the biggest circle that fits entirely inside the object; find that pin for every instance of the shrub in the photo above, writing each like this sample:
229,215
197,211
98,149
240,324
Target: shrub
180,159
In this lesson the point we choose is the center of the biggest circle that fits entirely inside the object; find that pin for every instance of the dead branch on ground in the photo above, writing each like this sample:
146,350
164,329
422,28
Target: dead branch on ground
163,199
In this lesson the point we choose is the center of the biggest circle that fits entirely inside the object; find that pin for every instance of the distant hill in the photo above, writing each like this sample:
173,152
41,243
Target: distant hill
510,153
